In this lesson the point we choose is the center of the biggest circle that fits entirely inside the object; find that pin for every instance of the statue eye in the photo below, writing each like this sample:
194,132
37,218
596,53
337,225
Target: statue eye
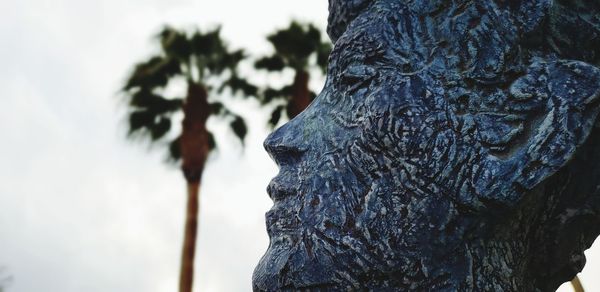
355,75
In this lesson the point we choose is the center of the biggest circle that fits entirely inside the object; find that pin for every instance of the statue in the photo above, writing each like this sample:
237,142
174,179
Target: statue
455,147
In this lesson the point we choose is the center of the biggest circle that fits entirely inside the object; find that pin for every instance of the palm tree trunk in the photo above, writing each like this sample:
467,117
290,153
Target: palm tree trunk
300,94
186,275
195,146
577,285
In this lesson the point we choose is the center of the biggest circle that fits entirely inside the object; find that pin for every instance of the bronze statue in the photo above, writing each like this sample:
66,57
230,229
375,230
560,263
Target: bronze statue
455,147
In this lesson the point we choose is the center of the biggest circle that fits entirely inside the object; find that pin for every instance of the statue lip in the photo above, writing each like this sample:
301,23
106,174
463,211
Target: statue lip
281,220
279,189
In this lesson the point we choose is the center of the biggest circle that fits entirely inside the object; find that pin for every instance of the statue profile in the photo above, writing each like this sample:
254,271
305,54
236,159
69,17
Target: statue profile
455,147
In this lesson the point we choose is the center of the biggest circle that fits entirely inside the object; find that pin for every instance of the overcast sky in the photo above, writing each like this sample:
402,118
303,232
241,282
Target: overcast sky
83,209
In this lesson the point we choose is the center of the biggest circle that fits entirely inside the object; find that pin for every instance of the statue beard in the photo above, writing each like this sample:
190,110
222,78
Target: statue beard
332,231
314,240
354,220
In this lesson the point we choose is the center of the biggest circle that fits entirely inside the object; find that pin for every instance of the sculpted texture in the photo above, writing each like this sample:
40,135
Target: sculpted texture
454,147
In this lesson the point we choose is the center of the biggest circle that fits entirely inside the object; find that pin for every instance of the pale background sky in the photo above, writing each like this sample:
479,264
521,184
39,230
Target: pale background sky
81,208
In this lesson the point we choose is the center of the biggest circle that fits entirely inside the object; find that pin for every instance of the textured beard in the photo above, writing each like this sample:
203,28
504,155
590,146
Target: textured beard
314,230
350,223
332,231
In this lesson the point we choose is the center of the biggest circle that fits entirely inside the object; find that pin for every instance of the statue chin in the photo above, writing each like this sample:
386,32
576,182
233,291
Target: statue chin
453,148
307,275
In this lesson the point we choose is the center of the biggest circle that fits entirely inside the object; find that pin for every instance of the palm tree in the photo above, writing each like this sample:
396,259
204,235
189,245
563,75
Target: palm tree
300,48
208,67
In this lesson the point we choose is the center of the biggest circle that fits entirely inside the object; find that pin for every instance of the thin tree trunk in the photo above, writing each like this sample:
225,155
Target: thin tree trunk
195,147
186,276
300,94
577,285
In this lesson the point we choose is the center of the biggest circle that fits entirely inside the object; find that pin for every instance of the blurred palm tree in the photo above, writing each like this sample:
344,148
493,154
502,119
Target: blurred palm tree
208,67
300,48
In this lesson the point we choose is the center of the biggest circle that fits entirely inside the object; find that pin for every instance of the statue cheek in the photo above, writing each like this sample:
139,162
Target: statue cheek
394,137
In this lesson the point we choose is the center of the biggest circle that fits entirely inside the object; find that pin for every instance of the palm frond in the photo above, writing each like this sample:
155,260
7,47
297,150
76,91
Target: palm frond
231,60
212,144
139,120
276,116
160,127
323,52
175,44
207,44
296,43
154,73
313,95
145,99
239,128
271,63
210,52
217,108
149,124
239,86
271,94
174,150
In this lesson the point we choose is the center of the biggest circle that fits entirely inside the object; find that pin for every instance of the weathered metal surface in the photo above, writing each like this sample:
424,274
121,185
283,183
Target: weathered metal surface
453,148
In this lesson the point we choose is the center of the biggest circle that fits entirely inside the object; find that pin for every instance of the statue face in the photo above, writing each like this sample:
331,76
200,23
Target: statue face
419,140
350,186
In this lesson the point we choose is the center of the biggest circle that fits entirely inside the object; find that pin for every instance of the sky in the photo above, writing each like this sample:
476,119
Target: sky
83,208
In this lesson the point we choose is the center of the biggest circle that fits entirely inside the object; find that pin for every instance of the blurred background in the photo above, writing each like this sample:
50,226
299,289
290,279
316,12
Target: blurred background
82,208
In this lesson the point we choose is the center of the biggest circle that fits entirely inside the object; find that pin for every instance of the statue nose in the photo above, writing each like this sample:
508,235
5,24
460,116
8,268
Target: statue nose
287,144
